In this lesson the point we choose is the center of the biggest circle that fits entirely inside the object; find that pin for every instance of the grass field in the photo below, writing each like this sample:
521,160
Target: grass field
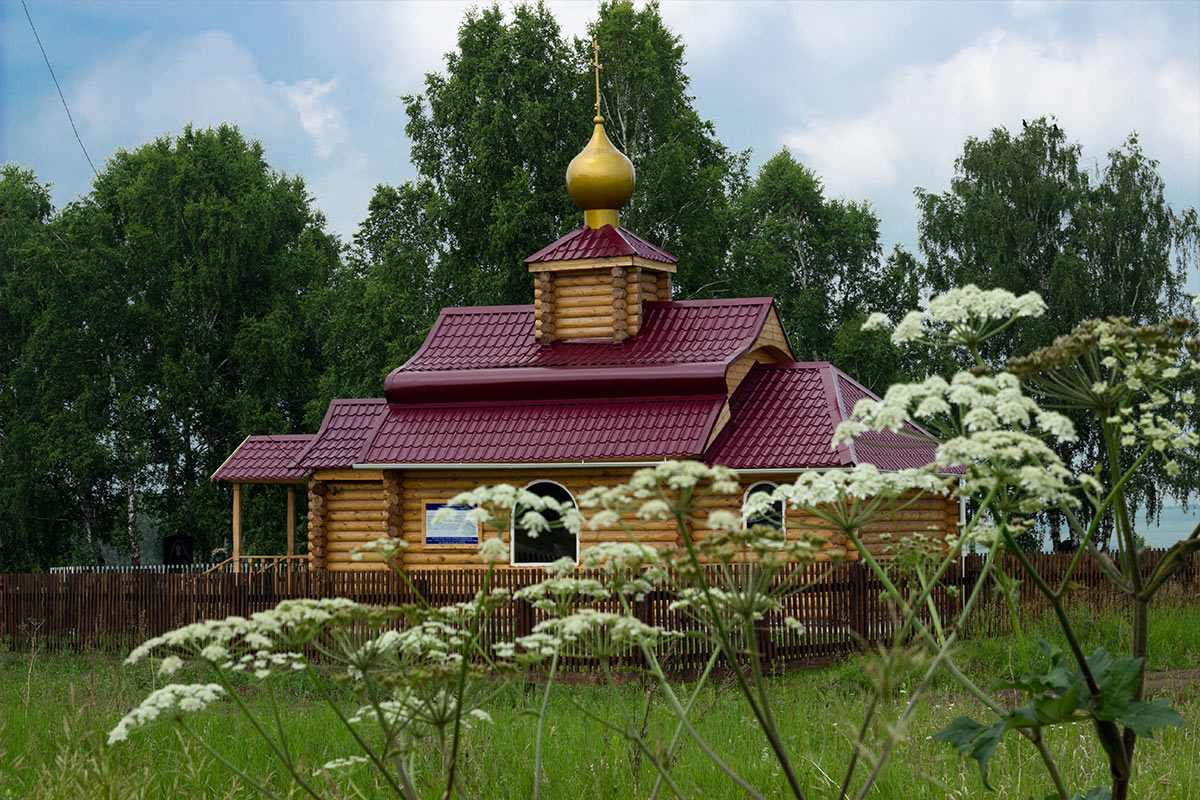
56,711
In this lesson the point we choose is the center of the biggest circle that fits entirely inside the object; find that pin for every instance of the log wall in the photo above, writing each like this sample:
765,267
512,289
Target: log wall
598,298
348,514
352,513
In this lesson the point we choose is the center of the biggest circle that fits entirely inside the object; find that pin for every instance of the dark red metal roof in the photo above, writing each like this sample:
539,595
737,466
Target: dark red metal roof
885,449
603,242
545,431
783,416
678,332
346,428
266,458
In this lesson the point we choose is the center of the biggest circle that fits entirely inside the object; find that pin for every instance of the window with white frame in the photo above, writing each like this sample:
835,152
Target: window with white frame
544,547
773,516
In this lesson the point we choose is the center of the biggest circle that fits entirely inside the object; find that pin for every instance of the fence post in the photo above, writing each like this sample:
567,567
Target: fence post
856,590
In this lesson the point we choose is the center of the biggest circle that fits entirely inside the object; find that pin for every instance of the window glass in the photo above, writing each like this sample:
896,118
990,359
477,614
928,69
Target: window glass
773,517
544,547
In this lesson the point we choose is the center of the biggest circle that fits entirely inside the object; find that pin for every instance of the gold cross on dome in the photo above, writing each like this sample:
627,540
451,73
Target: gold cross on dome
598,66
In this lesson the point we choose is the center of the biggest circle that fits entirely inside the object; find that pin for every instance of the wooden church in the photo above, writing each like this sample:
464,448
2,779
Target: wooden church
602,375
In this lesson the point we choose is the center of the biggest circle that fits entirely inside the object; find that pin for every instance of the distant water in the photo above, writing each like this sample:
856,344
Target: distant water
1172,525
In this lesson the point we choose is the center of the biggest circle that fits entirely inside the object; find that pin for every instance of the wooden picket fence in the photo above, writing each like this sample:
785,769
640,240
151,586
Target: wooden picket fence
842,608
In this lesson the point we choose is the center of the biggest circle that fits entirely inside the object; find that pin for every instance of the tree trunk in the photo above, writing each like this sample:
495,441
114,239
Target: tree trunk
135,540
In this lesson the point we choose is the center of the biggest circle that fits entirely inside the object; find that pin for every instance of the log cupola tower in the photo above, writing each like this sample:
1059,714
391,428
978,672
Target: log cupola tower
593,283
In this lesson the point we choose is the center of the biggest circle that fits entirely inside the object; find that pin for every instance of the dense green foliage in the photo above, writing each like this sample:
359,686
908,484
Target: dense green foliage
155,322
1023,213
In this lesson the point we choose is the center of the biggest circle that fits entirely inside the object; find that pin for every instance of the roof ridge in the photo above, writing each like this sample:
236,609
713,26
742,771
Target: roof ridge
474,310
616,236
572,401
711,301
555,244
840,407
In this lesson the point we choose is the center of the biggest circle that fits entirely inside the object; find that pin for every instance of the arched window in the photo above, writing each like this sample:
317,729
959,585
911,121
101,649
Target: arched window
773,517
544,547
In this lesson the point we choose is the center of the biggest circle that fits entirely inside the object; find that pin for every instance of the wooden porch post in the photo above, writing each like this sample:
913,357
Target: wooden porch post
237,527
291,531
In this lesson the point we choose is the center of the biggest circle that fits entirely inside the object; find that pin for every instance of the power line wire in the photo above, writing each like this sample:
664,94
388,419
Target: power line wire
60,91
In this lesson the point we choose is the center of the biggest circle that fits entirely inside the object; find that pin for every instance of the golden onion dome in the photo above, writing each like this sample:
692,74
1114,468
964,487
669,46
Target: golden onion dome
600,179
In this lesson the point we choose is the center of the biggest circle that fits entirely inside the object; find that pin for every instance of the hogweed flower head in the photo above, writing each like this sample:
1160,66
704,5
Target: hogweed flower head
169,701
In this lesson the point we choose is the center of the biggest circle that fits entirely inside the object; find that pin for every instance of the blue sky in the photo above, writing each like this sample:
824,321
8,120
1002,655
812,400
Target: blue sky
877,97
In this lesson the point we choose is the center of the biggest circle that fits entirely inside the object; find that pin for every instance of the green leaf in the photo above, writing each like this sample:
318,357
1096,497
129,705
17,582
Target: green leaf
975,738
1144,718
1118,680
1095,793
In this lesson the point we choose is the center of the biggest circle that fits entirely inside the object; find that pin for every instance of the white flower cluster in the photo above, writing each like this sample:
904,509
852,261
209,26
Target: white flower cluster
557,593
648,488
746,604
968,312
594,633
217,640
629,568
965,403
341,763
989,428
436,707
429,639
493,550
261,662
1028,473
494,504
863,482
169,700
385,546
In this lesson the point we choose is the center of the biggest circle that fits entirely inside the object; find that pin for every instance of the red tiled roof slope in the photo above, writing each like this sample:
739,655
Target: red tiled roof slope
783,416
885,449
677,332
780,416
638,429
266,458
347,426
603,242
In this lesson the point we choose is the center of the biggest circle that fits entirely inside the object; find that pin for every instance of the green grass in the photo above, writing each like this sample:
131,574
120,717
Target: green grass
56,710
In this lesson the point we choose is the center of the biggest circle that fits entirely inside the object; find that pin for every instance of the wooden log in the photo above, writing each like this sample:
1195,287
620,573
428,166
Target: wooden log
599,314
440,557
375,503
349,545
664,286
355,536
357,566
586,301
342,529
335,515
237,527
597,289
585,278
367,490
348,474
585,332
291,523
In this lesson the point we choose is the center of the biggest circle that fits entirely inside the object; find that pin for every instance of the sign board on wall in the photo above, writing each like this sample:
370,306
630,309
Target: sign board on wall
454,528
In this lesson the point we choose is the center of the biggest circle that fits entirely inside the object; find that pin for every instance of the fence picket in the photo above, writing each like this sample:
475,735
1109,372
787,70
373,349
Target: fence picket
841,607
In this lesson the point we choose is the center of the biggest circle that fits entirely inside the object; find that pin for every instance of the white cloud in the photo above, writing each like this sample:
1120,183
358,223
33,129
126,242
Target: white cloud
147,87
323,122
1099,90
711,29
